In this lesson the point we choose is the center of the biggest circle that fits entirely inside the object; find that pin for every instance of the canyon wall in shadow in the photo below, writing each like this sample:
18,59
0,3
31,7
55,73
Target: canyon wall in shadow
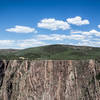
50,80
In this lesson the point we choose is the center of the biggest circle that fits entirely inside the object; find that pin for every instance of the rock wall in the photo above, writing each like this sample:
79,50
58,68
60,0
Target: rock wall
50,80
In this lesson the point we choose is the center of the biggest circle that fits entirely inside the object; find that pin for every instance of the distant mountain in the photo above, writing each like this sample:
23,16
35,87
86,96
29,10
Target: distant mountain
54,52
6,51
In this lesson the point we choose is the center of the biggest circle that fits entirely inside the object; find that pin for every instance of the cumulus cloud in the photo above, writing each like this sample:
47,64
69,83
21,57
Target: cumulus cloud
54,37
6,42
21,44
29,43
59,37
21,29
53,24
91,32
75,31
98,26
76,37
77,21
89,43
43,39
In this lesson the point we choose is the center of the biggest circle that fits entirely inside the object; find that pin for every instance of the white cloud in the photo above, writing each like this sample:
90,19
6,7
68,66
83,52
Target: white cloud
21,29
89,43
75,31
89,39
20,44
53,24
29,43
54,37
59,37
73,39
39,40
76,37
91,32
6,42
77,21
98,26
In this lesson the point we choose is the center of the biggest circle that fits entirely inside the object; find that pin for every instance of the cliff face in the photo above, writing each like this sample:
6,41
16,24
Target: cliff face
50,80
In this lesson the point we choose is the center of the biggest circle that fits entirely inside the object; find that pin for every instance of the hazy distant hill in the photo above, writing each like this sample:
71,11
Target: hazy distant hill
56,52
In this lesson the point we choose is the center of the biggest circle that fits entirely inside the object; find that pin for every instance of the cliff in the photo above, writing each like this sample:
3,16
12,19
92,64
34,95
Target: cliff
50,80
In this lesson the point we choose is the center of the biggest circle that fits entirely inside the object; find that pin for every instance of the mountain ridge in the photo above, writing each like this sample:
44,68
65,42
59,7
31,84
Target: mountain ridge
53,52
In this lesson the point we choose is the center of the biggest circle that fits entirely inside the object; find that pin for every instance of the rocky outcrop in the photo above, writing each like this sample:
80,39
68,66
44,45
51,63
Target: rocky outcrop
50,80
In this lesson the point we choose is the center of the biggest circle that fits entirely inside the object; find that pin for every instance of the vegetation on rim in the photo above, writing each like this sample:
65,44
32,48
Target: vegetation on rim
54,52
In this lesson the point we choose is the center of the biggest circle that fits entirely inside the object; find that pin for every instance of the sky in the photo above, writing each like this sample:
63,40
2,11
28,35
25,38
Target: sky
32,23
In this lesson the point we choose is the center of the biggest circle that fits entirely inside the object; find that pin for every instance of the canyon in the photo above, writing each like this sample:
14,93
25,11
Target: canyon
50,80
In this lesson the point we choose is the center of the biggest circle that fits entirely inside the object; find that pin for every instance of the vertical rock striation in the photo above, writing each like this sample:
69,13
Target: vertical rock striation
50,80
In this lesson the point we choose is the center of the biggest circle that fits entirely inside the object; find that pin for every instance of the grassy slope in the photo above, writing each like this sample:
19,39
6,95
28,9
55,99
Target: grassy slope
56,52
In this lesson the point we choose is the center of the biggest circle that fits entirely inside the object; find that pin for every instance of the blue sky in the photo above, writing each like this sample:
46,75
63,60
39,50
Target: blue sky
30,23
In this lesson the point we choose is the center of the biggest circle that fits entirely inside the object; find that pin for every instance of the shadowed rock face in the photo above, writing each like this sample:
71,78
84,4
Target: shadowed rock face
50,80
